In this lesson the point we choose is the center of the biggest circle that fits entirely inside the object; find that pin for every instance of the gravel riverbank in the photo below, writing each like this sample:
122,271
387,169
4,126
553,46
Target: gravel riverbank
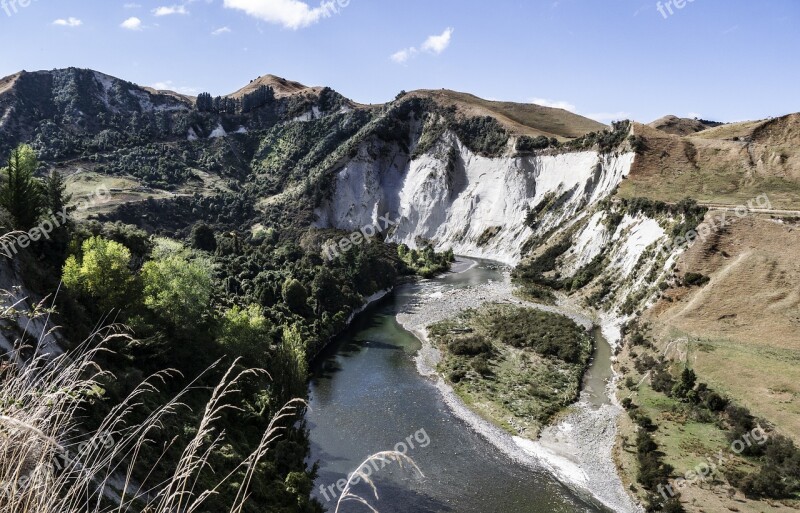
577,450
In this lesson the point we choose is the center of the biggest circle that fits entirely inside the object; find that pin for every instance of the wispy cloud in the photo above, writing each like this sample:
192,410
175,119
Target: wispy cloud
435,44
556,104
69,22
169,85
167,10
291,14
132,5
402,56
603,117
220,31
607,117
438,44
132,23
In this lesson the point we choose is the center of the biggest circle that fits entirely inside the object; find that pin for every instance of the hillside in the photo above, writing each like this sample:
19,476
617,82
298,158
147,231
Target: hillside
256,186
729,164
681,126
518,118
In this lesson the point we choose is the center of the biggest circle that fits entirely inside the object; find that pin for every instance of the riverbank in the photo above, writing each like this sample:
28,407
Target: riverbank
577,450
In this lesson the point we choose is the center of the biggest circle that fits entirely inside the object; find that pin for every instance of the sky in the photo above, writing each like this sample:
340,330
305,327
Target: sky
725,60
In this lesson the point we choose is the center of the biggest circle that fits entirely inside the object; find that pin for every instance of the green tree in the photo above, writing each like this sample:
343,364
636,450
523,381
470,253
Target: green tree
295,295
102,272
686,383
55,193
245,332
20,191
289,368
202,237
178,288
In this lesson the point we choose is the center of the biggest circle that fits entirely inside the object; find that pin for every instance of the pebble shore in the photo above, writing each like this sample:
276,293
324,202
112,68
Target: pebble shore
577,450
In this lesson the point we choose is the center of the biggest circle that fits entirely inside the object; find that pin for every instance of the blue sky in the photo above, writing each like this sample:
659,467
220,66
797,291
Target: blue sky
719,59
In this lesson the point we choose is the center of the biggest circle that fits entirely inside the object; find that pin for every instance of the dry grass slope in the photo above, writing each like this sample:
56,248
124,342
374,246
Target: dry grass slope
742,330
518,118
729,165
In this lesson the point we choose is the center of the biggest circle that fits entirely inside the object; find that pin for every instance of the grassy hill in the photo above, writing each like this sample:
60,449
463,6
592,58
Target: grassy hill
729,164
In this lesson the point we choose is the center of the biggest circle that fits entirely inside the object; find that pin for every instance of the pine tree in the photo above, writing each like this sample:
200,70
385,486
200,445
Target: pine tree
55,190
20,192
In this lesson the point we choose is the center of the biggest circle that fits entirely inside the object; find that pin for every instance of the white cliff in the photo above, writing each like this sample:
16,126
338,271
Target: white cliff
475,205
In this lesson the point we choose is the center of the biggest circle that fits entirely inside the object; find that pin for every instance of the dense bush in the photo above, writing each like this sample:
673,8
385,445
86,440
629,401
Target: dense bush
548,334
469,345
483,135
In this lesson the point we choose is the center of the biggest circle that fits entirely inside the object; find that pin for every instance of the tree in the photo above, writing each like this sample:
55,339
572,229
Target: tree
102,272
686,384
245,331
204,102
55,193
56,200
295,295
178,288
21,192
202,237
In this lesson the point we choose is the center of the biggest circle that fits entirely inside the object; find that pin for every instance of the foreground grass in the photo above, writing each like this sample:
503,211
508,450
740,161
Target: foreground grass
518,367
49,463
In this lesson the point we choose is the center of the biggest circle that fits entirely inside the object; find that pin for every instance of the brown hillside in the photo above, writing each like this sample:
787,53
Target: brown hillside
281,86
730,164
678,126
518,118
743,328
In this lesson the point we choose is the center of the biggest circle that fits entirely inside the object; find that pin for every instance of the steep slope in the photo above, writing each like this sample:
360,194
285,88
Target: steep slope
730,164
478,206
681,126
519,118
73,105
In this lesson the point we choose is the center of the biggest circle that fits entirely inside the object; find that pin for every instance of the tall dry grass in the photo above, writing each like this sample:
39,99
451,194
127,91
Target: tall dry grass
50,464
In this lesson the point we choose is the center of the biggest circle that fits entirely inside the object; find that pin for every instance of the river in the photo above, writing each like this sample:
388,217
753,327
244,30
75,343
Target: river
367,396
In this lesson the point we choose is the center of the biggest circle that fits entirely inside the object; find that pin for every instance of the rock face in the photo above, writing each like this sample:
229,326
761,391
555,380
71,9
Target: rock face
478,206
510,208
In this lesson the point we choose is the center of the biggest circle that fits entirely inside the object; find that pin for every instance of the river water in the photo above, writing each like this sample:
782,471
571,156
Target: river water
366,396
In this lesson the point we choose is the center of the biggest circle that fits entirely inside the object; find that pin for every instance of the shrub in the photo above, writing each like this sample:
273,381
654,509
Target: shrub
691,279
469,345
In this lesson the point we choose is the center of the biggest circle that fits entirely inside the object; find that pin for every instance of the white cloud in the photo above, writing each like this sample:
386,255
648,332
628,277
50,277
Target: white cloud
132,6
169,85
607,117
168,10
603,117
220,31
438,44
434,44
292,14
132,23
69,22
556,104
403,55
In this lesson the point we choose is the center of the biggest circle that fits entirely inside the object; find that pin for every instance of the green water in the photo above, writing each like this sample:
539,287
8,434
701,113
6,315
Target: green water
367,396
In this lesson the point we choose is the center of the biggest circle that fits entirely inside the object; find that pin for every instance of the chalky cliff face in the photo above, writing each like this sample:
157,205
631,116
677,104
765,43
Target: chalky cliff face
504,208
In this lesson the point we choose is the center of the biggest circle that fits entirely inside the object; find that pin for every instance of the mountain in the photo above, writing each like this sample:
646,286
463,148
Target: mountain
583,213
681,126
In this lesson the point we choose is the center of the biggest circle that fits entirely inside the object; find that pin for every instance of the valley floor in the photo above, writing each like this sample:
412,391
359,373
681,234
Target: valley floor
577,449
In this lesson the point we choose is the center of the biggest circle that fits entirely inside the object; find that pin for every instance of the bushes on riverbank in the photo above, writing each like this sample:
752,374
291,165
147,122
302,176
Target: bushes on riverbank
518,366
